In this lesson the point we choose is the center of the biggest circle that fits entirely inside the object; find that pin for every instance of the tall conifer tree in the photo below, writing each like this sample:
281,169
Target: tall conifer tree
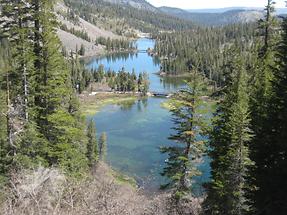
188,117
103,146
272,150
92,146
56,109
230,148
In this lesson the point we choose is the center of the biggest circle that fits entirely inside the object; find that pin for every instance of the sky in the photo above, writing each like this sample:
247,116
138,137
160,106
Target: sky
201,4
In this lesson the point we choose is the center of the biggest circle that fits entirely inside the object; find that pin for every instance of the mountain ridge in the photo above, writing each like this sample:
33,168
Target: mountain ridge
215,19
138,4
222,10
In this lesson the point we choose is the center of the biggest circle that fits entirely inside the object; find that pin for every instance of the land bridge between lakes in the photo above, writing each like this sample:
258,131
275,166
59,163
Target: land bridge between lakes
151,93
160,94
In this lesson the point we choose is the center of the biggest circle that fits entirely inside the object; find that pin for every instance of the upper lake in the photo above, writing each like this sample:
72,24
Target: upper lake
139,62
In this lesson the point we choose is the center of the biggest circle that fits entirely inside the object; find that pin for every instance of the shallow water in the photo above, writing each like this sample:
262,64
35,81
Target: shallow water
136,130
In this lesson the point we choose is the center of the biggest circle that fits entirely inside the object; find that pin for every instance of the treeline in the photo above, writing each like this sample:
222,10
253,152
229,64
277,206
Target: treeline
247,139
40,119
143,20
116,44
122,81
202,48
79,33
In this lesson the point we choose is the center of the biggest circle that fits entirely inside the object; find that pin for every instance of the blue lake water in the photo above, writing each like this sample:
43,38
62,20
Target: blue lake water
136,130
139,62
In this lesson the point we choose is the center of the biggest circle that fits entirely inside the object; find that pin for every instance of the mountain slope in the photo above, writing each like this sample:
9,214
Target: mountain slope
215,19
82,22
120,15
72,41
138,4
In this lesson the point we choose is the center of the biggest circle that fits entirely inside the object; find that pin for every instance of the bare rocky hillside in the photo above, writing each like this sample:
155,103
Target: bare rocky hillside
71,42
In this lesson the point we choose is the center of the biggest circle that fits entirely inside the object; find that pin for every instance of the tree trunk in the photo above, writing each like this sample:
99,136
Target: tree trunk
8,116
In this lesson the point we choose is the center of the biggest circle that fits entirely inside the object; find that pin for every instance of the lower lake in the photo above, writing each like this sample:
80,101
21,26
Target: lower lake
136,130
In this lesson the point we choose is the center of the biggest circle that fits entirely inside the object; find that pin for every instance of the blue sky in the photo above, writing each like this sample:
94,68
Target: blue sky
200,4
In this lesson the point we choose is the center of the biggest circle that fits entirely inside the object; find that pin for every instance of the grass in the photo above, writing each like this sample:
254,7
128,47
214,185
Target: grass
91,105
122,178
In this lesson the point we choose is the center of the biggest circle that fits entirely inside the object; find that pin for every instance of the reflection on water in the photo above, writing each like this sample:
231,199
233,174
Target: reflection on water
171,84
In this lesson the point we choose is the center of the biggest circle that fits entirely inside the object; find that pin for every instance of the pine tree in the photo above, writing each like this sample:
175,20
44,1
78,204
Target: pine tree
17,17
55,114
43,123
230,148
82,50
143,83
271,151
188,117
5,158
92,146
261,97
268,24
103,146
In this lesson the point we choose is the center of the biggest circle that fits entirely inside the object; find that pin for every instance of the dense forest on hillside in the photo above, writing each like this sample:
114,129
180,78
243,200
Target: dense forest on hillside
204,48
116,45
52,161
143,20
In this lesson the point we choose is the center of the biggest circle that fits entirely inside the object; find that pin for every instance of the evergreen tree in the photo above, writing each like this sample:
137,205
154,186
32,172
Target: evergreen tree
82,50
103,146
143,83
272,149
42,120
268,24
4,146
261,97
55,114
92,146
17,18
188,117
230,148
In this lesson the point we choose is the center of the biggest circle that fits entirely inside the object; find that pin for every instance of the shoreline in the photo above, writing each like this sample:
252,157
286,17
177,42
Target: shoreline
164,74
92,104
104,52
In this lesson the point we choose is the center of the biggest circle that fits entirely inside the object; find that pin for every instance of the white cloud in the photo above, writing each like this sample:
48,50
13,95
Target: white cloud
196,4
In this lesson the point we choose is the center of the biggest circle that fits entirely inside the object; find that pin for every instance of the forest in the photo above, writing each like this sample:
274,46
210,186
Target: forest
182,51
145,21
46,141
116,44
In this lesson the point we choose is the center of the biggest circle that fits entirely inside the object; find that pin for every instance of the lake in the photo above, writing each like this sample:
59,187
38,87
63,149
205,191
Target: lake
140,62
137,129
